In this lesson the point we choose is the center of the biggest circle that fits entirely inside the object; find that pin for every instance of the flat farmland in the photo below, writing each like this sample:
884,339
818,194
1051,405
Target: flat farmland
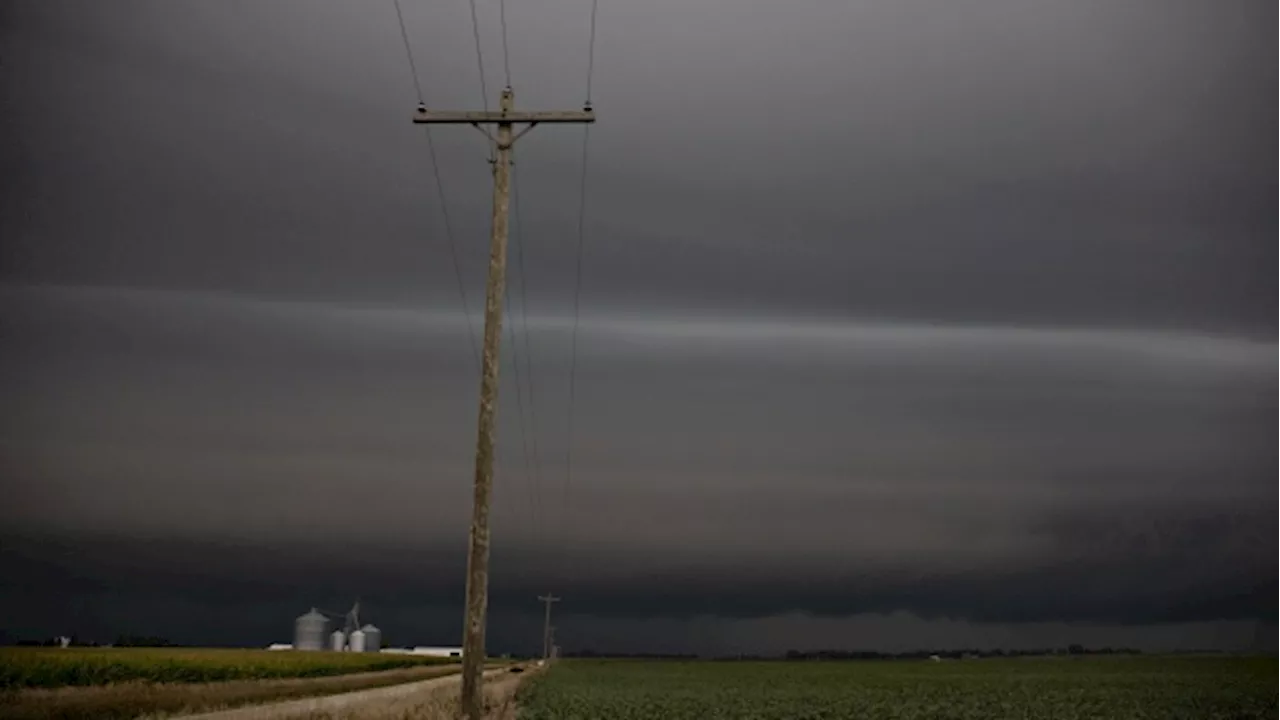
84,683
1077,687
56,667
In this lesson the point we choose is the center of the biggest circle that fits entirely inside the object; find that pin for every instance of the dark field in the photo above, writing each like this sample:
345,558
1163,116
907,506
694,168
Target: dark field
122,683
56,667
1069,688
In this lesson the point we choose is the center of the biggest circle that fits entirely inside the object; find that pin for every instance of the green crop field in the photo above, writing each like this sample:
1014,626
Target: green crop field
1087,687
22,667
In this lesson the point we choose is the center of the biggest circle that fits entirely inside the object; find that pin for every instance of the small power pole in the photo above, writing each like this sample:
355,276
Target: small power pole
505,118
546,625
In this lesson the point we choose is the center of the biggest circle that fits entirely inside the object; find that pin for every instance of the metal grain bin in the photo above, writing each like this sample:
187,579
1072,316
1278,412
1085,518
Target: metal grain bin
337,641
372,638
355,641
310,631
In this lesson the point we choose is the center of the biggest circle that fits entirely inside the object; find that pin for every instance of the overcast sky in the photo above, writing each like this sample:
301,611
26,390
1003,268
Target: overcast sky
904,323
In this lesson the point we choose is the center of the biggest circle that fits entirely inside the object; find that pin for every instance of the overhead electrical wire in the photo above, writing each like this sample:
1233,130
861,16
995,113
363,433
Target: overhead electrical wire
534,500
530,481
518,241
475,33
591,50
533,469
524,313
531,453
444,205
506,55
484,86
577,287
408,51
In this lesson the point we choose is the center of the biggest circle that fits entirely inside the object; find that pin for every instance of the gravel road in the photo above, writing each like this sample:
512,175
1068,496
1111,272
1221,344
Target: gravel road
334,704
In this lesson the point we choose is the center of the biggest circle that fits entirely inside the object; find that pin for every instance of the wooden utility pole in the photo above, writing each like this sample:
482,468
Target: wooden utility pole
505,118
546,625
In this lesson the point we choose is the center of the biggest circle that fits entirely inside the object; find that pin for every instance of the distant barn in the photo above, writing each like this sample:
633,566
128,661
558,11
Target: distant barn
437,651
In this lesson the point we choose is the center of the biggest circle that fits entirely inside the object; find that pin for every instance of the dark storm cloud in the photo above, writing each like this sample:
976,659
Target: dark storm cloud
994,474
1000,161
960,310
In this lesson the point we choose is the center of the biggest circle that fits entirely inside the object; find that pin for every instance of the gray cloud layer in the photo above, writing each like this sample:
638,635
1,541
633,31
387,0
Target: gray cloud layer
957,309
996,474
987,161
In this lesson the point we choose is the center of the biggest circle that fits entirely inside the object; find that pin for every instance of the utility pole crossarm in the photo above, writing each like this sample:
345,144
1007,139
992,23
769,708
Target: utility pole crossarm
473,117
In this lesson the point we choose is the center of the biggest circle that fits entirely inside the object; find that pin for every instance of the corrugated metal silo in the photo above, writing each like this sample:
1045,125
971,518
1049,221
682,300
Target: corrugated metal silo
310,631
337,641
355,641
372,638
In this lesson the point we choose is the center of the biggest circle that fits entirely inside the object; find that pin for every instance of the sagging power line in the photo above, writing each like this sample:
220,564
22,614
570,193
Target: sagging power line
529,440
532,468
577,285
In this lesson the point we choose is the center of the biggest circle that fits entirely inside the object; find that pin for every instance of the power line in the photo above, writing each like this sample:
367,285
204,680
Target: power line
506,55
475,32
518,237
484,87
408,50
577,289
534,492
528,431
573,343
453,247
534,495
591,50
444,204
531,479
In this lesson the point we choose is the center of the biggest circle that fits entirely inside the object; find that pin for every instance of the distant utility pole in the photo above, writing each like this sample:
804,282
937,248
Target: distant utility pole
478,556
546,625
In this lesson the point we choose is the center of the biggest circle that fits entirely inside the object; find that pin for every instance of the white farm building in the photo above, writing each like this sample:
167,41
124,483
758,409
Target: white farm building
428,651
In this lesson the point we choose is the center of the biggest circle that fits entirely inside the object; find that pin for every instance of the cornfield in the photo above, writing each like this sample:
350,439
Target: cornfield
1130,688
22,667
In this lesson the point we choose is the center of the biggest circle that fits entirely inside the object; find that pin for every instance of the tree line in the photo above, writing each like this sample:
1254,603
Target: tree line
121,641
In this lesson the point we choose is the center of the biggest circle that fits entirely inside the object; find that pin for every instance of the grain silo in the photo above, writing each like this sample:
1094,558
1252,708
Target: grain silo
310,631
355,641
372,638
337,641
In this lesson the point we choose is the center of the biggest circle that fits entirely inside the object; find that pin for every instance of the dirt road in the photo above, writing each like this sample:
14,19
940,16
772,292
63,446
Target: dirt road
425,698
